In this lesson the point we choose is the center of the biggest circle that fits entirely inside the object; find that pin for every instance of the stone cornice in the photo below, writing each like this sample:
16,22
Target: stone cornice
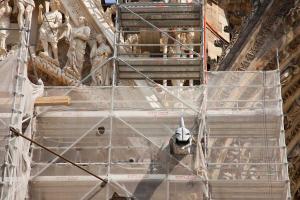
260,40
245,36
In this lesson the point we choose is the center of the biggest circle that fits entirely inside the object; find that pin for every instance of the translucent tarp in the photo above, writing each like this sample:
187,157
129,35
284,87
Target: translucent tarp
17,96
121,133
244,90
246,157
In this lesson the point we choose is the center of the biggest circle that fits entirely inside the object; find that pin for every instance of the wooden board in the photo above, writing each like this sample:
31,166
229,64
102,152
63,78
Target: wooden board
53,101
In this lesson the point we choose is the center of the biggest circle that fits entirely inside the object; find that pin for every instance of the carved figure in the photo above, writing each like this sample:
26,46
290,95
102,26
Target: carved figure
5,11
78,38
100,52
49,30
190,39
108,15
172,53
177,43
164,41
25,8
133,39
183,48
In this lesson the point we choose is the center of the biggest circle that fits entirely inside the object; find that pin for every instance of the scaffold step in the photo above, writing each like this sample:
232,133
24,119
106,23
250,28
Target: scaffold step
160,15
160,69
161,75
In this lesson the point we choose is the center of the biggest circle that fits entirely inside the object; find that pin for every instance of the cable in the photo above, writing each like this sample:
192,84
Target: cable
17,133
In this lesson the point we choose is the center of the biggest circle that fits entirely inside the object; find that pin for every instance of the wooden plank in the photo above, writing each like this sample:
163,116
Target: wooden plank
53,101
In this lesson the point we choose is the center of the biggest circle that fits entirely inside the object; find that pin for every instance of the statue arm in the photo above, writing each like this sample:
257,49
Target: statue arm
85,35
58,22
40,14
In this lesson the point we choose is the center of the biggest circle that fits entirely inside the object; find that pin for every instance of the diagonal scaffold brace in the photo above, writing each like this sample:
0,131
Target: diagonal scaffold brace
17,133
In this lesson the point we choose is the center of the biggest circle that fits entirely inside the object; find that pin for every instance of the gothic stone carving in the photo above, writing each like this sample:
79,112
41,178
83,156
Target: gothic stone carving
108,15
133,39
99,54
46,65
78,39
49,30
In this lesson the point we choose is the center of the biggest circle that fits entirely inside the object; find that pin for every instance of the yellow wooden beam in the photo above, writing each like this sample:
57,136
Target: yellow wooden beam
53,101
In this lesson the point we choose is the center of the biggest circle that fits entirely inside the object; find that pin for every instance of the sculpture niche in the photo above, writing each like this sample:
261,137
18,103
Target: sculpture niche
78,39
99,55
52,29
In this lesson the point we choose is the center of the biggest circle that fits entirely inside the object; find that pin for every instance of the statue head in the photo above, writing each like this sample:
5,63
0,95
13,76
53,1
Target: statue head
100,38
54,4
82,21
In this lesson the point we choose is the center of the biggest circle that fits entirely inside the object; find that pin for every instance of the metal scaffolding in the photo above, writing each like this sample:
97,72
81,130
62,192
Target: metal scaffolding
156,48
125,140
122,134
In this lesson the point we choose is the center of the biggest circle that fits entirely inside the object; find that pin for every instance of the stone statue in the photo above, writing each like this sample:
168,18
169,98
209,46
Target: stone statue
164,41
49,30
183,48
5,11
178,47
25,8
174,54
108,15
190,40
133,39
78,39
99,54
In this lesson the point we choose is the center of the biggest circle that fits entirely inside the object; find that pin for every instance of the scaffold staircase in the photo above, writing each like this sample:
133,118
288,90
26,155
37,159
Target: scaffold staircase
152,21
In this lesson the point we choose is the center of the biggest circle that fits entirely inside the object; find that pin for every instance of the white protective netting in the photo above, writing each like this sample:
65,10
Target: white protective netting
14,153
246,154
123,133
132,150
